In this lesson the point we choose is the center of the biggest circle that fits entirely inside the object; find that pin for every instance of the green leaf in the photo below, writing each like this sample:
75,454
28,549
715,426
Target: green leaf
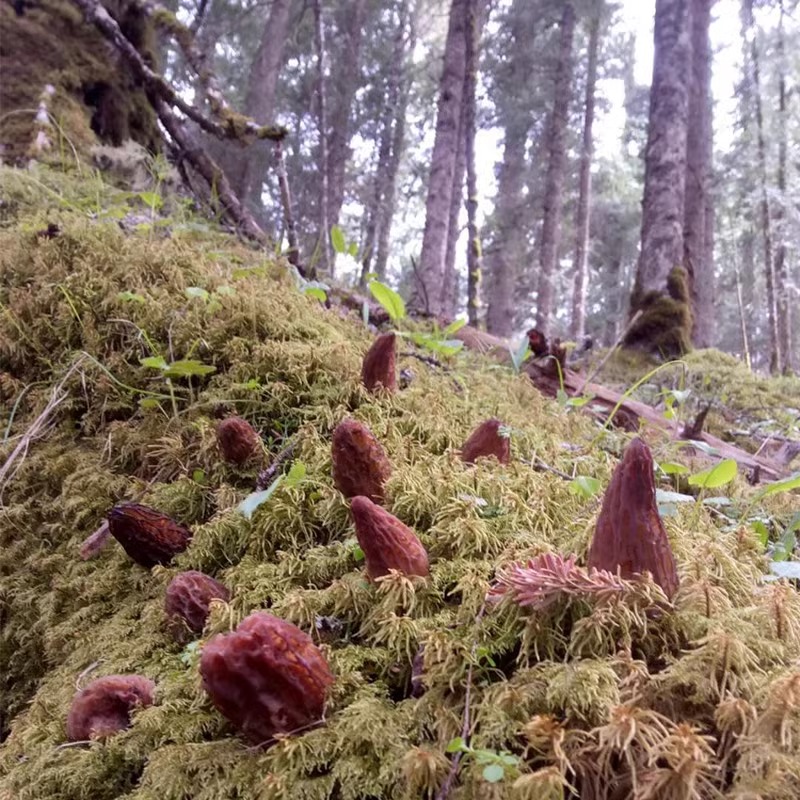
337,240
562,397
358,553
154,362
786,485
149,402
296,473
455,325
389,299
187,368
131,297
196,292
494,773
316,292
670,468
455,745
584,486
520,353
255,499
578,402
352,250
248,272
715,476
702,446
761,531
680,396
151,199
717,501
199,476
225,291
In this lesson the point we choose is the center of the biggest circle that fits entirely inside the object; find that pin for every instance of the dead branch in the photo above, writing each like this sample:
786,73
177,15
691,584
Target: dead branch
288,213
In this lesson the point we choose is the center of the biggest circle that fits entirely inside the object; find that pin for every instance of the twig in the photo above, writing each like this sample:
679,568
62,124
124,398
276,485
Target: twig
266,476
288,213
465,725
537,464
614,347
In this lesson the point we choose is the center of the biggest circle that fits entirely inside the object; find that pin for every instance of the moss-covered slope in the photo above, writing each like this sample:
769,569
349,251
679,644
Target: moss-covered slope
612,698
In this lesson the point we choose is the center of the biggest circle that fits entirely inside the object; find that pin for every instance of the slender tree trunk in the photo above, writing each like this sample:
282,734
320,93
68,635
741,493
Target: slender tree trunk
616,302
346,80
556,168
259,103
661,290
377,212
578,326
474,245
450,291
428,291
783,307
698,210
766,226
322,121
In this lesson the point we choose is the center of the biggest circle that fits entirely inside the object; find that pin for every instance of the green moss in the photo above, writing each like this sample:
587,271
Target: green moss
292,369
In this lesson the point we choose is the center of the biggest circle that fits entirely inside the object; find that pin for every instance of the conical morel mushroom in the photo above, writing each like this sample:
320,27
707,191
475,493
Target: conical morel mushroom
488,439
187,600
360,466
379,367
267,677
630,536
147,536
387,543
238,440
104,707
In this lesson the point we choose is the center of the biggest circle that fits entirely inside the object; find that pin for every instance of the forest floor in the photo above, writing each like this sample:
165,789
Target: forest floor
128,327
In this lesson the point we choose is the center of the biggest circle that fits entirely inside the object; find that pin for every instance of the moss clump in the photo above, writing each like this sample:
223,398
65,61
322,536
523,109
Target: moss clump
665,326
581,693
96,96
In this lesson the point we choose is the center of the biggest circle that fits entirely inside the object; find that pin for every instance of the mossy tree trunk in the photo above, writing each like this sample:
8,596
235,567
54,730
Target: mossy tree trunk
661,291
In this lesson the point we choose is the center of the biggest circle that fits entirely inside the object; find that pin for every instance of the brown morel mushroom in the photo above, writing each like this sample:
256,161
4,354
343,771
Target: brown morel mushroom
266,677
188,597
237,439
379,367
147,536
387,543
630,536
104,707
487,440
360,466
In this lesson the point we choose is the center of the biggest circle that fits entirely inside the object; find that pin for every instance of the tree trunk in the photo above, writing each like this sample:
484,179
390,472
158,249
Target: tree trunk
247,170
783,307
697,251
381,188
322,122
578,326
428,291
474,243
556,167
347,79
766,226
661,290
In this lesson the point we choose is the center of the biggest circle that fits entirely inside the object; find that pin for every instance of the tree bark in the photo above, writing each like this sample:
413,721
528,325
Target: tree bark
428,290
474,243
766,226
345,84
450,291
698,202
782,305
578,325
660,290
385,175
322,121
247,170
556,168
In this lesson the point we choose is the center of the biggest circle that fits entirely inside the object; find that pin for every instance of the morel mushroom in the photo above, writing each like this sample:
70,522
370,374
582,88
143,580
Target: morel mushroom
188,598
147,536
630,536
104,707
488,439
267,677
387,543
237,439
360,466
379,367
